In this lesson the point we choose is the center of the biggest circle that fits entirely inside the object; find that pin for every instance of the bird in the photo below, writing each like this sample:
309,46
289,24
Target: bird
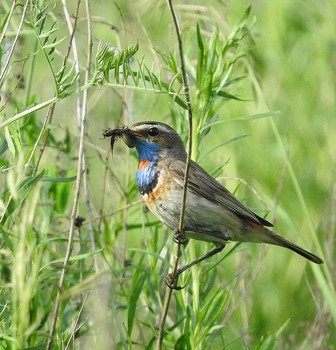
212,213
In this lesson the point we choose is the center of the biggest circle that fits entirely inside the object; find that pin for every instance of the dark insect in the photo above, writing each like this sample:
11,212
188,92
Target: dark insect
114,133
79,221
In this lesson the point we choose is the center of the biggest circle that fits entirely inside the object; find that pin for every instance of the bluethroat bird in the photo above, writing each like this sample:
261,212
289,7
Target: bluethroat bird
212,213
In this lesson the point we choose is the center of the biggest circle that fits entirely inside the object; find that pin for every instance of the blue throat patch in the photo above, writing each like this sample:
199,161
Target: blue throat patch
146,176
147,150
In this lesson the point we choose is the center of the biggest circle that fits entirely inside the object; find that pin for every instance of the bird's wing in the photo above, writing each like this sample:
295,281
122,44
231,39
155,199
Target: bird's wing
206,186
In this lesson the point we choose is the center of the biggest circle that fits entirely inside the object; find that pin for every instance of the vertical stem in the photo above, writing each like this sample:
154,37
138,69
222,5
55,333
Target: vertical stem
80,167
6,65
185,183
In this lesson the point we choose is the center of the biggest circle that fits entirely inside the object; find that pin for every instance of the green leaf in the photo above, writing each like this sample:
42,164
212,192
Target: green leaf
10,143
73,258
25,188
3,147
229,96
59,179
109,57
138,281
268,342
53,44
27,185
183,342
5,235
199,38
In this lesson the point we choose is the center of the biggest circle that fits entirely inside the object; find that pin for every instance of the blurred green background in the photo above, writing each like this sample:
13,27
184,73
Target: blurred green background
274,148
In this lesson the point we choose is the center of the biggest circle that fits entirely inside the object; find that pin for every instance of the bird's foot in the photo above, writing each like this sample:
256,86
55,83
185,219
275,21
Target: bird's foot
180,238
171,282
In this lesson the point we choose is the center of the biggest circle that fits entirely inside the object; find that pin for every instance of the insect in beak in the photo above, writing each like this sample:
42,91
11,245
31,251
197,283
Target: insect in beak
124,132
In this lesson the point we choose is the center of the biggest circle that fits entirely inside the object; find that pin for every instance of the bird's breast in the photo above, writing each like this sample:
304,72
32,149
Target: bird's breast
143,164
147,175
157,191
153,182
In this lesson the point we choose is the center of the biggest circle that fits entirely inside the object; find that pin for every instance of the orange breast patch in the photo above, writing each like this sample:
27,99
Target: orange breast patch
159,192
143,164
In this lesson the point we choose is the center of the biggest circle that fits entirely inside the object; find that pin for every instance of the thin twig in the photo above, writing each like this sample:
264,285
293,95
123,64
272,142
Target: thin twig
280,188
185,183
84,111
102,204
80,110
47,121
29,111
80,166
5,27
72,29
6,65
73,48
72,43
77,326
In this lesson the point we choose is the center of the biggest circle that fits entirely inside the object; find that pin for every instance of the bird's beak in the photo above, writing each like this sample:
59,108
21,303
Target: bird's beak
130,136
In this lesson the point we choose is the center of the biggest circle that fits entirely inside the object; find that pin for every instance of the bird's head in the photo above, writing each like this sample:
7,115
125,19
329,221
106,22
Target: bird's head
153,140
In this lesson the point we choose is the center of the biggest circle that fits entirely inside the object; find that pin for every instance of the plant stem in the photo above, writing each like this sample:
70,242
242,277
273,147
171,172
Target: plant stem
6,65
185,183
80,167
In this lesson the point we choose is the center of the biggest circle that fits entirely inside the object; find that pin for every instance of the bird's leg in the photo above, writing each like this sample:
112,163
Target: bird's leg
171,280
179,237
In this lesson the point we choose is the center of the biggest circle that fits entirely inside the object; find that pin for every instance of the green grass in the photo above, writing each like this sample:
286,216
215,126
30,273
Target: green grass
263,98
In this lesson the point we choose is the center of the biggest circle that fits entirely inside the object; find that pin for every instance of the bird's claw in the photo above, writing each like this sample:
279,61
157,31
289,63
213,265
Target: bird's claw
180,238
171,282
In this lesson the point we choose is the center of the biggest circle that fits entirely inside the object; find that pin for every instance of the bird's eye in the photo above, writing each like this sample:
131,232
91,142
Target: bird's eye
154,131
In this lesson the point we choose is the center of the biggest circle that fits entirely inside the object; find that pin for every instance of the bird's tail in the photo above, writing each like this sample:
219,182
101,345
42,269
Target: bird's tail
278,240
